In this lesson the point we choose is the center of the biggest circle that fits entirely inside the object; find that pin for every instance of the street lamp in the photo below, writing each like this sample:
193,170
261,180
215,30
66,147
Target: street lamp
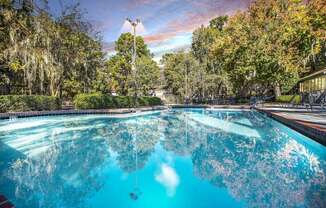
134,25
134,54
135,194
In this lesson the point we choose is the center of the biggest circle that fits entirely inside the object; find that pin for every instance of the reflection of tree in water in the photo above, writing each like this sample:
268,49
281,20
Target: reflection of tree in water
182,135
133,137
62,176
272,172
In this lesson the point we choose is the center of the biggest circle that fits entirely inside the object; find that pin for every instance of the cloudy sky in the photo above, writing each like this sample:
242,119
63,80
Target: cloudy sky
168,23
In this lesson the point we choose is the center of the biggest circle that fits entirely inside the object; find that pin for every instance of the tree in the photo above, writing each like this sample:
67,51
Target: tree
181,75
124,46
120,72
148,75
218,22
213,76
119,68
268,46
43,55
260,51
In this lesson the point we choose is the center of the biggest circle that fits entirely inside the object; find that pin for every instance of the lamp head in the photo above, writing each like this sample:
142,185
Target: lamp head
133,23
129,20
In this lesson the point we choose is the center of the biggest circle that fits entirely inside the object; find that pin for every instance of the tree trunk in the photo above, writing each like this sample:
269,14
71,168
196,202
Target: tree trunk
277,90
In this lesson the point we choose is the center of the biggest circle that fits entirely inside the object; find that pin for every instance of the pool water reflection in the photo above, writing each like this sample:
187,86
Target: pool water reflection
179,158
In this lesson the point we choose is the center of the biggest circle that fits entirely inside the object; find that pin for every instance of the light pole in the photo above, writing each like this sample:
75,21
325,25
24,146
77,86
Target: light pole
135,194
134,54
186,82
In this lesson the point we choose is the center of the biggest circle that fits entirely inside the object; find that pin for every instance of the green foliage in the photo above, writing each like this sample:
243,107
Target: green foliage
20,103
189,80
243,101
149,101
218,22
177,70
101,101
255,52
120,73
43,55
124,46
148,75
289,98
199,75
119,69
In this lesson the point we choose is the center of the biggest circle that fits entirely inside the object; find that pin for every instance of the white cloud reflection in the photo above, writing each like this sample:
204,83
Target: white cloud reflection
168,178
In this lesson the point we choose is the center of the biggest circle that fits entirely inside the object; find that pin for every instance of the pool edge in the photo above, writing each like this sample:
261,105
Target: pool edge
309,131
120,111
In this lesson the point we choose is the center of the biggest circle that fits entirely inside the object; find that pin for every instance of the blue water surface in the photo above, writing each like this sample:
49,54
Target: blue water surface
171,159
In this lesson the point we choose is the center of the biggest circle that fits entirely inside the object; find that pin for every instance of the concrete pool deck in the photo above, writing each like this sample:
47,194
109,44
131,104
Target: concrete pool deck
311,123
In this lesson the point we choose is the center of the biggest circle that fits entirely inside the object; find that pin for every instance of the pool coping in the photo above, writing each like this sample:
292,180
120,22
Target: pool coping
305,128
206,106
118,111
5,203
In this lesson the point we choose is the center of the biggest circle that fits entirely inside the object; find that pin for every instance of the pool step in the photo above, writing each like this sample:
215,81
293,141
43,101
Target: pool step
5,203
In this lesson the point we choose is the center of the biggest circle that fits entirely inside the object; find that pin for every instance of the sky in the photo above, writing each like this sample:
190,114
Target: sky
168,23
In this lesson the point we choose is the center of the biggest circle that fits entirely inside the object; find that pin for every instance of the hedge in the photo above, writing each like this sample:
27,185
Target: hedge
20,103
287,99
101,101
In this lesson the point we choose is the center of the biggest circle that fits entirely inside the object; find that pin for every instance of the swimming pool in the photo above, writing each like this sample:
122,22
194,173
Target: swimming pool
178,158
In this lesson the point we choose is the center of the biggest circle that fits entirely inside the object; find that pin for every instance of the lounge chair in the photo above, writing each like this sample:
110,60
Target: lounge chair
320,101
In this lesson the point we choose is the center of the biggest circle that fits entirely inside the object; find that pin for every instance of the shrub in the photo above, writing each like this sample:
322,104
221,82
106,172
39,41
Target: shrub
149,101
243,100
20,103
100,101
287,99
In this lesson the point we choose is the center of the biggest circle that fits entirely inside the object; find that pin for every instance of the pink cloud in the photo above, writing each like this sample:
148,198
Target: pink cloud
159,37
204,12
198,13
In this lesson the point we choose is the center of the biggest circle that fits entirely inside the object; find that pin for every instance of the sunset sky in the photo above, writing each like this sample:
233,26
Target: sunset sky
168,23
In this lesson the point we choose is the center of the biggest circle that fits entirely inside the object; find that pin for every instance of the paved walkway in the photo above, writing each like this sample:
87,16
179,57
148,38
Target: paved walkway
311,123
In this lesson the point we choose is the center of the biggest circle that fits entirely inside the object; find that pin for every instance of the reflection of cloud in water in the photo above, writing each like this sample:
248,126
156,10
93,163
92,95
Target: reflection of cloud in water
257,161
168,178
226,126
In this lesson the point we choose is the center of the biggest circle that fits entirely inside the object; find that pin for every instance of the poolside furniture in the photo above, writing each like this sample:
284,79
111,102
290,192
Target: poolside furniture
309,101
304,99
322,97
319,102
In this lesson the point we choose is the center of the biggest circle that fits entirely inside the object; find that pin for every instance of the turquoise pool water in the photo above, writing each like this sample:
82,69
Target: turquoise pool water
180,158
